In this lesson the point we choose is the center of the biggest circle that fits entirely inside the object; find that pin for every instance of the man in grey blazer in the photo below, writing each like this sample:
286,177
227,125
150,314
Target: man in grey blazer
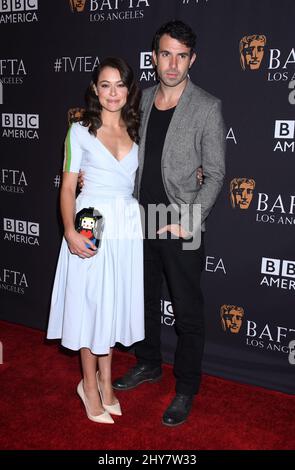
182,128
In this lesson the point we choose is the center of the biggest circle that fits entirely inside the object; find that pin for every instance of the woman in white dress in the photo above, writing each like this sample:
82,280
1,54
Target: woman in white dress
97,297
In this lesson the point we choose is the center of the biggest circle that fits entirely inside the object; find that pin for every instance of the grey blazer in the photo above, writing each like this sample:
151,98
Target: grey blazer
196,136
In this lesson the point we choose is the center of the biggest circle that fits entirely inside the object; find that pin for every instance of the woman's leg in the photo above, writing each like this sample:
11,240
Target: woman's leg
105,378
89,367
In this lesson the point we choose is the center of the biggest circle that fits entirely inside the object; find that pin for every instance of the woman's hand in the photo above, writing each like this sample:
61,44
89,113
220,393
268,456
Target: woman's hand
77,245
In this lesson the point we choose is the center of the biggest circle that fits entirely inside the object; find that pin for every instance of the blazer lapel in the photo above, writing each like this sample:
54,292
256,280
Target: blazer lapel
178,116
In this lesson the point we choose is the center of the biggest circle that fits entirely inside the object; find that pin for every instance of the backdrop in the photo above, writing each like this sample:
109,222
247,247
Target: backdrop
246,57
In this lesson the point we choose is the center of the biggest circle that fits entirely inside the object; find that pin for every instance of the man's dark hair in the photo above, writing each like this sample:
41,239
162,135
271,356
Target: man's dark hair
177,30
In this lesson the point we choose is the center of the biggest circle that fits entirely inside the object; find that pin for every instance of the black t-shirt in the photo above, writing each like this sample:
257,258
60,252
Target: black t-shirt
152,190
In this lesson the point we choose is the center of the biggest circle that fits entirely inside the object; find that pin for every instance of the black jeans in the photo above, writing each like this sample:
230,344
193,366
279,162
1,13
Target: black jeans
182,269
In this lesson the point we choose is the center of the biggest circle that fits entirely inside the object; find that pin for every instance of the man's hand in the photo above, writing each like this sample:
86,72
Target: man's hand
75,114
200,177
176,229
81,179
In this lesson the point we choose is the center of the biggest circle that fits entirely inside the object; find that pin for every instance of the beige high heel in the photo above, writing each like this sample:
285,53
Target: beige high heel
102,418
112,409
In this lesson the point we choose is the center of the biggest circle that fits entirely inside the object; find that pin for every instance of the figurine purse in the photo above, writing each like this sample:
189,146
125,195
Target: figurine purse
90,222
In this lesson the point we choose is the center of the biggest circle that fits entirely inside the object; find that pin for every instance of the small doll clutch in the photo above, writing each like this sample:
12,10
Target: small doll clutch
90,222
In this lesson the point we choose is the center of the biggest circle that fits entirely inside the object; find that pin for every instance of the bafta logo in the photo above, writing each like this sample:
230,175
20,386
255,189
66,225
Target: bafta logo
252,51
231,318
77,5
241,192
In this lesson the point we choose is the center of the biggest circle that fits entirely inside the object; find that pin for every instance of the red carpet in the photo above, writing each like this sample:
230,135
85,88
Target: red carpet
39,408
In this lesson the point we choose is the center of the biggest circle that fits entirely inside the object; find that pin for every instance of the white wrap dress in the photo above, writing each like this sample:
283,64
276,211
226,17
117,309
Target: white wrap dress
98,301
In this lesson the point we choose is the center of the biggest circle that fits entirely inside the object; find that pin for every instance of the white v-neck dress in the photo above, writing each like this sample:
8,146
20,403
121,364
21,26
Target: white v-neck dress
98,301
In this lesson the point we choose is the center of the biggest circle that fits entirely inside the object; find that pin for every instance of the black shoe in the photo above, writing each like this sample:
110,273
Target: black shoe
178,410
137,375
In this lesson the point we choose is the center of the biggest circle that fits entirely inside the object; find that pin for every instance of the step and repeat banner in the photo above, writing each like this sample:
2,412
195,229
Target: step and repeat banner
246,57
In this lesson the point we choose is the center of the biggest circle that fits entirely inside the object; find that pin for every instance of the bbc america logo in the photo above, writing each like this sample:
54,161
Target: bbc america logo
285,131
18,11
278,273
146,61
20,126
21,231
146,64
167,316
7,6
